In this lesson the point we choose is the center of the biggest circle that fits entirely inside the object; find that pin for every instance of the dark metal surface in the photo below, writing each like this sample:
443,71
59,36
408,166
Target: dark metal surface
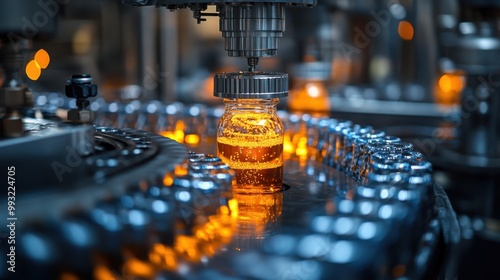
127,157
48,152
28,19
322,229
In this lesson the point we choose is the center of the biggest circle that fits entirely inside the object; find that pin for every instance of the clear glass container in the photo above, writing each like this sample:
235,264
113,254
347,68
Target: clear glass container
250,140
309,96
309,93
250,134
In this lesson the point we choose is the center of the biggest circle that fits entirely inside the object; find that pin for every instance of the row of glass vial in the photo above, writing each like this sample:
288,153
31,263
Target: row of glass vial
188,124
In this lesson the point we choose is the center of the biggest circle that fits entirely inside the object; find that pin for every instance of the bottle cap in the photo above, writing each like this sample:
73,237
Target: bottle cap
251,85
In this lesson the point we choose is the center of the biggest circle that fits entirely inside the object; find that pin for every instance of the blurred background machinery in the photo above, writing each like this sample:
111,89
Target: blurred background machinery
134,203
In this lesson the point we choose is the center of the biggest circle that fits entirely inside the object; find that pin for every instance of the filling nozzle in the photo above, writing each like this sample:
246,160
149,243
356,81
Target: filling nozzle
252,62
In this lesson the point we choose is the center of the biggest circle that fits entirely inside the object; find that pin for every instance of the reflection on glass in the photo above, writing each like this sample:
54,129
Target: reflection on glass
102,272
206,238
295,138
163,256
258,218
138,268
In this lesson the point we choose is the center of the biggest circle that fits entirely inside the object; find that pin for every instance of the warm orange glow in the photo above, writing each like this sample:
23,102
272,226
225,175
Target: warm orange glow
135,267
295,145
405,30
168,180
449,87
180,170
168,134
258,213
256,157
163,256
177,134
451,82
33,70
42,58
226,233
187,246
301,150
180,125
102,272
192,139
311,97
287,147
35,66
313,91
233,207
210,234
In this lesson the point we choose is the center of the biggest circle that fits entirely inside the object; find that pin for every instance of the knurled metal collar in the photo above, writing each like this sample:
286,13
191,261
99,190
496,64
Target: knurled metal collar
251,85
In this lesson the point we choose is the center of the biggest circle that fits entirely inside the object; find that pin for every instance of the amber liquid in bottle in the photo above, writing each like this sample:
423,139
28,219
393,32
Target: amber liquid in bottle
256,156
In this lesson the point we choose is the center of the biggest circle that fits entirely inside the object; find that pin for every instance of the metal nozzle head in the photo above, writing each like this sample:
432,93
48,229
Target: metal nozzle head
252,30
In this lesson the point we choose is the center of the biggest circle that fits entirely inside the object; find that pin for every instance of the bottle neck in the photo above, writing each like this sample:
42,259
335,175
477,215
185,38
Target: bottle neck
267,105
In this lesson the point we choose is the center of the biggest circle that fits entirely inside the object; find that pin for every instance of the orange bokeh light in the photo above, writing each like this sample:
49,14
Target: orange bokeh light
33,70
449,87
42,58
405,30
102,272
35,66
135,267
192,139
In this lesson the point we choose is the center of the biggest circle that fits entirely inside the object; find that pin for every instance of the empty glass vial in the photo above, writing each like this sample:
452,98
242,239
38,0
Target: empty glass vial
250,134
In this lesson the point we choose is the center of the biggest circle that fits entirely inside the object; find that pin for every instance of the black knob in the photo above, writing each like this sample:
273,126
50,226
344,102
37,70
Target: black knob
80,87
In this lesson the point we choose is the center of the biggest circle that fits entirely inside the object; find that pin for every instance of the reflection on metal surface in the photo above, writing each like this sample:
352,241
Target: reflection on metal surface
358,204
258,219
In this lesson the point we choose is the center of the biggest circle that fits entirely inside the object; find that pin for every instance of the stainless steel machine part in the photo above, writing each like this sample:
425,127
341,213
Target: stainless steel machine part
251,85
251,29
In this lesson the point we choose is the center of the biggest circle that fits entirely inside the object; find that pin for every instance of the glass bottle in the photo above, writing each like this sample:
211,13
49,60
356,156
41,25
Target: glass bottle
309,93
250,133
